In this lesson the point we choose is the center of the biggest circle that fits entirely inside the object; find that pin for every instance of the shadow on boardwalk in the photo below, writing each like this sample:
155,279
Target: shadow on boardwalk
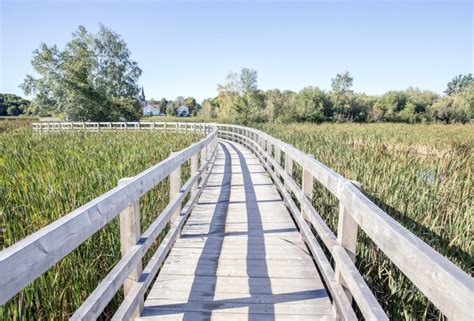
259,302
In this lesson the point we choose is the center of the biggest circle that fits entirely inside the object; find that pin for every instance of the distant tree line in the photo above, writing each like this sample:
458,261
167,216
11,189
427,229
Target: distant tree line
240,100
170,107
94,79
13,105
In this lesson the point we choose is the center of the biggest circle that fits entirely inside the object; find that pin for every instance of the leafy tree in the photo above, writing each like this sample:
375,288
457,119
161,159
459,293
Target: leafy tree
313,104
13,105
191,103
459,84
239,98
360,107
462,109
179,101
342,83
248,80
408,114
422,99
274,104
93,78
442,109
208,108
163,105
171,108
390,104
342,96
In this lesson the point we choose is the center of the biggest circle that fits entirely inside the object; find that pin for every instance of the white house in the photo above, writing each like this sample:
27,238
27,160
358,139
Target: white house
151,110
182,111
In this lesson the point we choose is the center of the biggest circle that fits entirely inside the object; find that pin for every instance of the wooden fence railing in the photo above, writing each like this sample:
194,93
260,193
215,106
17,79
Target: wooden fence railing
173,126
443,283
28,259
449,288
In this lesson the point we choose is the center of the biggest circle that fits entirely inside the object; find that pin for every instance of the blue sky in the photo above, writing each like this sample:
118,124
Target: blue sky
187,48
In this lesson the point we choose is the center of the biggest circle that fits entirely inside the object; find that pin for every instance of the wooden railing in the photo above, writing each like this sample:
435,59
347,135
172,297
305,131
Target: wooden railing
449,288
101,126
443,283
28,259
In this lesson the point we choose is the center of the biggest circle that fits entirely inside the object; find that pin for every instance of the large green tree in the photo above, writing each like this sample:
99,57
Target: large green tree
239,98
343,100
312,104
93,78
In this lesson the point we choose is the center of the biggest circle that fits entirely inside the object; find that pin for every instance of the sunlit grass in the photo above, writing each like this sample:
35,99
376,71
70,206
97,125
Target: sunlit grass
45,176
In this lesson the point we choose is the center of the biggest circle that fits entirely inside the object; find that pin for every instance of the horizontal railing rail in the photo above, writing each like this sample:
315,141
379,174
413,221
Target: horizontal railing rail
449,288
107,126
29,258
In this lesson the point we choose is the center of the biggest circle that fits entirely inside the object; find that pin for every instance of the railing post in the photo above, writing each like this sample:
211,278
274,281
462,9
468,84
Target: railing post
288,169
347,238
277,160
209,151
175,187
204,157
307,189
129,236
194,169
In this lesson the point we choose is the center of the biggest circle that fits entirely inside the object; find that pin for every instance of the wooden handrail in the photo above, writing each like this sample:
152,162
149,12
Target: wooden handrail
104,292
29,258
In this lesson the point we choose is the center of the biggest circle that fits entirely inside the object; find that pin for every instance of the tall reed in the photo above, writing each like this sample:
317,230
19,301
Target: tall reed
45,176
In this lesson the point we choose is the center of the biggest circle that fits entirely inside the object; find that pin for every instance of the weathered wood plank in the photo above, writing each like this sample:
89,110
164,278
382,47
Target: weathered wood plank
155,307
129,236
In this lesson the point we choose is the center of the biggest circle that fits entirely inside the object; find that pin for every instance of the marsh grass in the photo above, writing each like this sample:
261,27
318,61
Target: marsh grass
45,176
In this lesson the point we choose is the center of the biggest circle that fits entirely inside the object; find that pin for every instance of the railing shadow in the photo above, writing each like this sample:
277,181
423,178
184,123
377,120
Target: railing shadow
256,248
202,301
212,244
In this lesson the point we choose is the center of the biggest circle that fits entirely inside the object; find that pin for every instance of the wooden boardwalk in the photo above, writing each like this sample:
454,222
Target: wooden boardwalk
232,250
240,255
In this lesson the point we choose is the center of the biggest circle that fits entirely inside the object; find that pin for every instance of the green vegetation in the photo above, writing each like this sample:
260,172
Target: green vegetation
13,105
92,79
239,100
169,107
421,175
45,176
